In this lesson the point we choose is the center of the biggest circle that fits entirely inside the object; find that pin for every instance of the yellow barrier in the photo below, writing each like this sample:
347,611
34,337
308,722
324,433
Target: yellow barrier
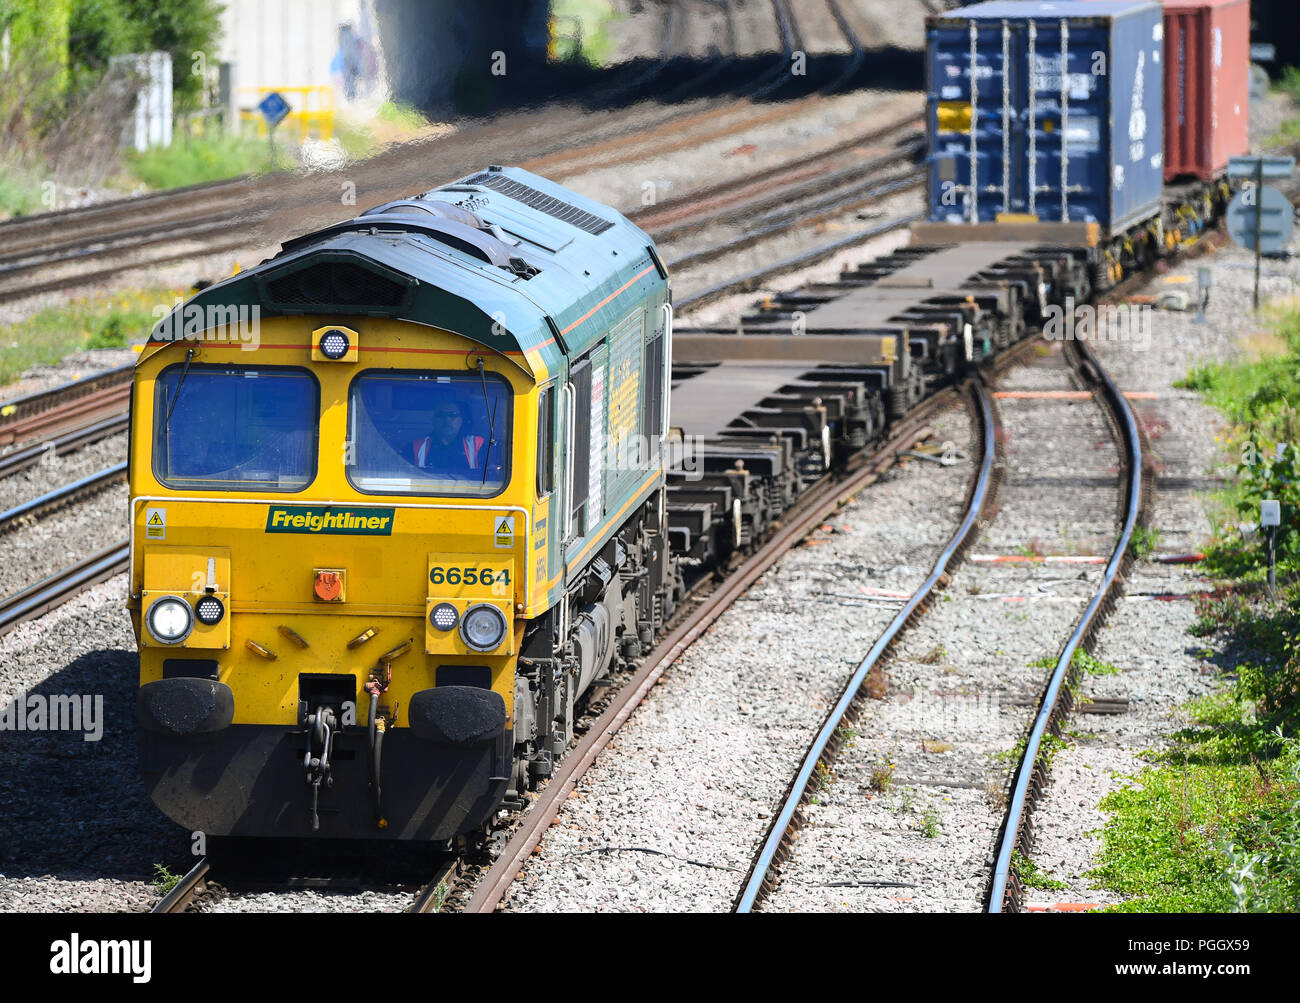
310,108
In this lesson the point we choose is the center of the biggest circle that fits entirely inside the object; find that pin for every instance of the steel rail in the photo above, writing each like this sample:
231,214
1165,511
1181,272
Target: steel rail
1004,890
182,893
42,221
19,408
122,242
664,215
429,900
782,222
858,54
105,274
76,412
53,591
788,29
781,827
52,500
20,460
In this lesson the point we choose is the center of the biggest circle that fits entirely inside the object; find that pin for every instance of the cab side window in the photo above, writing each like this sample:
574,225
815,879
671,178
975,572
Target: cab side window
546,442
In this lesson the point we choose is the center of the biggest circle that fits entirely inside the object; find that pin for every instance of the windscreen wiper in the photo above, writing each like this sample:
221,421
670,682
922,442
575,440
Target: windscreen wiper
167,425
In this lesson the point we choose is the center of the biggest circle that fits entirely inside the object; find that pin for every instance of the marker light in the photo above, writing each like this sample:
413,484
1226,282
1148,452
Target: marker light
444,616
209,610
169,620
483,627
334,344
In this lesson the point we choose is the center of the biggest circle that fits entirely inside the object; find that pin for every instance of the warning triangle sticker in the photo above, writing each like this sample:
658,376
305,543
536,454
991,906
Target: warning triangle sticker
504,527
156,520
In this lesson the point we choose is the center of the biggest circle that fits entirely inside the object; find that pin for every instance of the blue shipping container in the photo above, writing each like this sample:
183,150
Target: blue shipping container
1065,100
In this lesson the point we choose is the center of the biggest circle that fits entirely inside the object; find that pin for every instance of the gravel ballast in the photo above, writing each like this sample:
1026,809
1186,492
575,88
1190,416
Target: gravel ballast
78,832
669,814
909,818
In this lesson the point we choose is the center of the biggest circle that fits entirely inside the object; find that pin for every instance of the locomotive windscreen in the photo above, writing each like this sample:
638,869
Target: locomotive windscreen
224,429
444,434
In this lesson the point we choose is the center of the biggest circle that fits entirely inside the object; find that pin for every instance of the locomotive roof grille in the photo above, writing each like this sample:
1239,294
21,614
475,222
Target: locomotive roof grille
336,283
542,202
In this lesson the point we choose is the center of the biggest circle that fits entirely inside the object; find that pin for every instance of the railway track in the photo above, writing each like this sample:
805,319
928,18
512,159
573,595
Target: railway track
54,500
78,403
51,592
1004,891
22,459
776,846
208,873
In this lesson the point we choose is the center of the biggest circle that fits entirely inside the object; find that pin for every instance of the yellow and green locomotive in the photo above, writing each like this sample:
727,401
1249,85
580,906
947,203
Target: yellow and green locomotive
397,501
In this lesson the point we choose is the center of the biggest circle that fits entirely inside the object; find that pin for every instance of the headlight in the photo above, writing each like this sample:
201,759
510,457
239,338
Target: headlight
483,627
334,344
209,610
169,620
444,616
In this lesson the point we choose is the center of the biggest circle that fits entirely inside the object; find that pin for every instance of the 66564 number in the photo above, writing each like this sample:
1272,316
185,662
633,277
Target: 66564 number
469,576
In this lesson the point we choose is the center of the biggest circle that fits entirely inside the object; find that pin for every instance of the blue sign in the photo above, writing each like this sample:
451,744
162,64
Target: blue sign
1276,220
1265,167
273,108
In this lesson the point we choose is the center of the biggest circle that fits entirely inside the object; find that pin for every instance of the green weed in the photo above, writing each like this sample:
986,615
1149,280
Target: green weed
164,880
1031,876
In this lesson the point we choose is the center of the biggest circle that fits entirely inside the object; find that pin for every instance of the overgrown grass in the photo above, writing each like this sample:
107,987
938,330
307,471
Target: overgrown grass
1289,131
1143,542
1214,828
1290,82
1260,396
102,322
206,158
393,123
20,192
1212,825
1090,664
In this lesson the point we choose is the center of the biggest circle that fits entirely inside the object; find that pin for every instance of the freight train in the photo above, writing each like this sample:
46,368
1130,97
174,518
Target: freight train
377,565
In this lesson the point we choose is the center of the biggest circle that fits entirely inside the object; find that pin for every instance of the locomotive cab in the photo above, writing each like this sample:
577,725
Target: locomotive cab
322,548
376,549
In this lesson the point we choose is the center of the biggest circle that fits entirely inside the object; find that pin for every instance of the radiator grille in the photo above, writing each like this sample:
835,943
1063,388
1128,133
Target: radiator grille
542,202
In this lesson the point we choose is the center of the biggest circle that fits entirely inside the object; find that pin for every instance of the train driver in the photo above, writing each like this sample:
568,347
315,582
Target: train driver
448,451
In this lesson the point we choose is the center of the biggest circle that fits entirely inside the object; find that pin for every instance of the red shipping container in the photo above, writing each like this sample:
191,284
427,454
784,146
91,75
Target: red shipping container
1207,85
